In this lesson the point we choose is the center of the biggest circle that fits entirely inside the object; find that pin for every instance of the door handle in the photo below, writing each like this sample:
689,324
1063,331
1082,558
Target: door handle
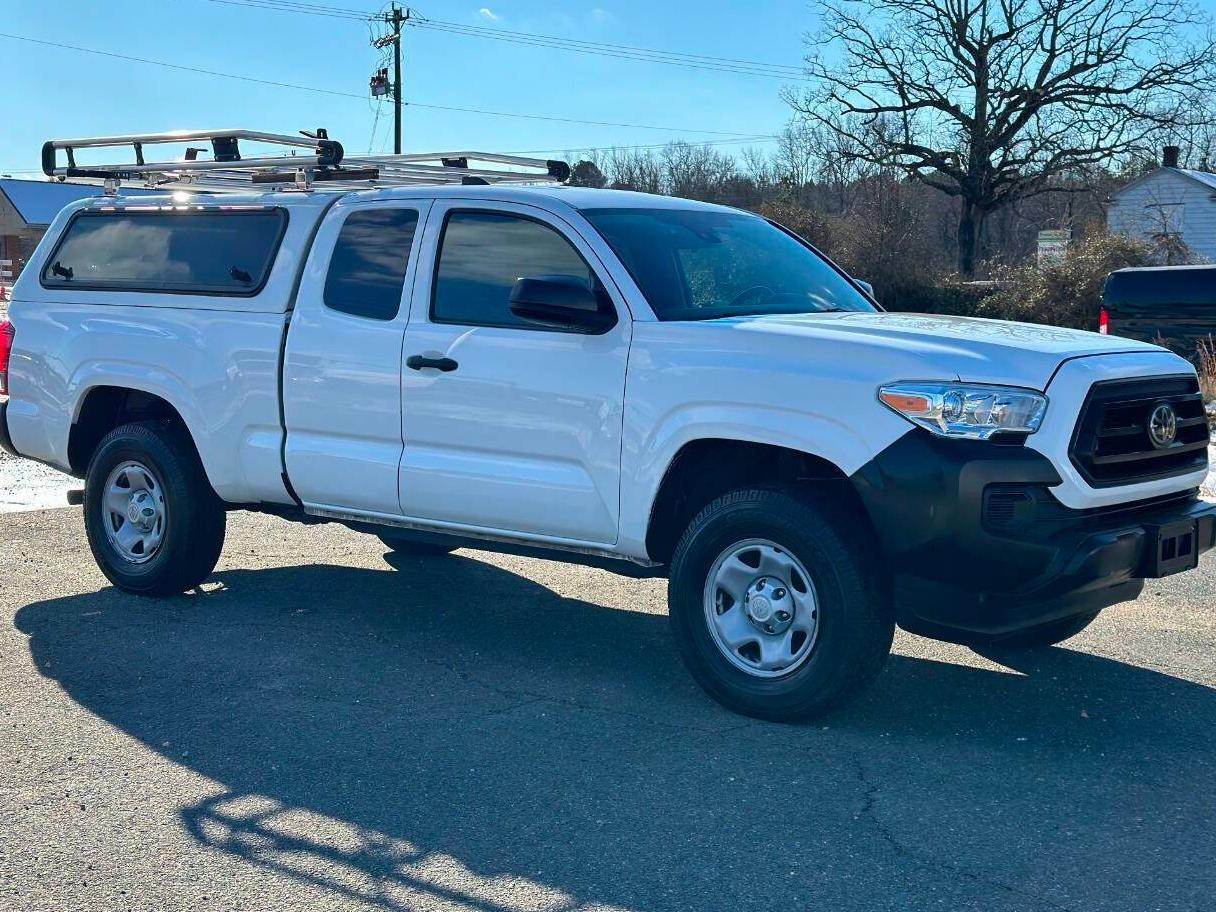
418,362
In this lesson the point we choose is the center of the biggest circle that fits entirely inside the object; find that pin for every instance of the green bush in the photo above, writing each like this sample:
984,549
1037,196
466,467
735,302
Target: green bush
1067,292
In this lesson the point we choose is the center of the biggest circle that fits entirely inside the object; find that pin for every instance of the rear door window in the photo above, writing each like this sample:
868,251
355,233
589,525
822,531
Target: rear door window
214,252
367,270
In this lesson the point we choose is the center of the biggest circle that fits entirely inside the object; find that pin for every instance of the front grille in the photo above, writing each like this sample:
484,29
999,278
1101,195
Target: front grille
1112,444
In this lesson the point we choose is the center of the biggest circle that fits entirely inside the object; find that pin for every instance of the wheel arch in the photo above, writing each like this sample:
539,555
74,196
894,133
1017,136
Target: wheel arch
105,406
707,467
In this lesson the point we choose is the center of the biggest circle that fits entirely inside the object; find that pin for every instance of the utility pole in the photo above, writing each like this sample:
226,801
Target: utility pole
379,83
396,19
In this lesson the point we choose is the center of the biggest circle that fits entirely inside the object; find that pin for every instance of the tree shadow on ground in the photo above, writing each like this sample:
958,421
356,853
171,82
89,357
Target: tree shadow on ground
460,734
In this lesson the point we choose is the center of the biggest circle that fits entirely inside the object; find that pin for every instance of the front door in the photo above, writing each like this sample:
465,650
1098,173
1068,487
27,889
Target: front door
509,426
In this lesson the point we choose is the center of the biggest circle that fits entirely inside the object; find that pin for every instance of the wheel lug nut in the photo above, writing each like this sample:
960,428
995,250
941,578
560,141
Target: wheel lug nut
783,615
778,593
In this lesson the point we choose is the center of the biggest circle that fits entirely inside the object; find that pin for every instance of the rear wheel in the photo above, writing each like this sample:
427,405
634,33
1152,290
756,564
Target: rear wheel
400,544
774,605
154,524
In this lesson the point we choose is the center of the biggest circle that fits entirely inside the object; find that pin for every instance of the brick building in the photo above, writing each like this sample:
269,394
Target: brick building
27,208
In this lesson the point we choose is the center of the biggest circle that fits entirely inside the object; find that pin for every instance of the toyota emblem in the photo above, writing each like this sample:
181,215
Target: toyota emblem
1163,425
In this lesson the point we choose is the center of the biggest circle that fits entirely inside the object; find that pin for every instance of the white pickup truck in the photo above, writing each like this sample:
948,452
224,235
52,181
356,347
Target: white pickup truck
633,381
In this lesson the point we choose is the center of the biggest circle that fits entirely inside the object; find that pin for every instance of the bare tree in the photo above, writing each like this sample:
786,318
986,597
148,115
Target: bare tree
760,168
695,170
1195,139
798,154
634,169
992,101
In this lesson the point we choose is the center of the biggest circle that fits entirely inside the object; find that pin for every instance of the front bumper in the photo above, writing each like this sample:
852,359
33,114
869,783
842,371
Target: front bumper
979,547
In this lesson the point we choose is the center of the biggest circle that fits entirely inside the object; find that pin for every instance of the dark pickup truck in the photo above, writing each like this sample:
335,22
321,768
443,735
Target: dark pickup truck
1174,306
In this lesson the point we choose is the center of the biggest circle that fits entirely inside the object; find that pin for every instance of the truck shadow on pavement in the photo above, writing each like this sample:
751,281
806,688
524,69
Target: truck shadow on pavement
460,734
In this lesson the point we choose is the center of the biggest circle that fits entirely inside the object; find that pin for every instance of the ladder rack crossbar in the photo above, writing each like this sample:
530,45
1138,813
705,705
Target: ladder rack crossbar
177,136
311,157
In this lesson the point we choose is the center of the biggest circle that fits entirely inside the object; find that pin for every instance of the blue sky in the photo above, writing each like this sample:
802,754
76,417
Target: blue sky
52,92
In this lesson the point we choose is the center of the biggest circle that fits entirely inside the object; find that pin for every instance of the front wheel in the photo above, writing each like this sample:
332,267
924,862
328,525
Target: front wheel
775,606
154,524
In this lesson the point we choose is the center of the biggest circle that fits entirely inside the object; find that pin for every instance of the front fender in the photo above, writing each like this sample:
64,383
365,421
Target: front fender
651,450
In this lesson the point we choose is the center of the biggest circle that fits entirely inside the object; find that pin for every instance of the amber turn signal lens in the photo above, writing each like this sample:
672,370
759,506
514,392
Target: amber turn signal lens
905,403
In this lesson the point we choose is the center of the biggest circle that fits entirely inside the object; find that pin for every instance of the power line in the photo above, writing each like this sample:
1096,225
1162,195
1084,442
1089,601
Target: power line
305,88
624,47
759,138
310,9
177,66
594,123
709,62
628,52
527,42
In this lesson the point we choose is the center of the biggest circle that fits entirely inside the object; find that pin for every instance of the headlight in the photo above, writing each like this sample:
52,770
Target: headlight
968,410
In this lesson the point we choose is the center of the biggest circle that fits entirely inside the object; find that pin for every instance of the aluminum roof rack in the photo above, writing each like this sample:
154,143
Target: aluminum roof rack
313,158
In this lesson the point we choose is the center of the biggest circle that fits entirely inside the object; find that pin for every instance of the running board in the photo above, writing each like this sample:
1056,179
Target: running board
516,544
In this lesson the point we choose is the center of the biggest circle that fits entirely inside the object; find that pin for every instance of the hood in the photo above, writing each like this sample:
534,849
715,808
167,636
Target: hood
966,348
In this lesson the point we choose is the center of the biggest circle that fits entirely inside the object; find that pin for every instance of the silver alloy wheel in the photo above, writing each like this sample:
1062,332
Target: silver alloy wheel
761,608
134,512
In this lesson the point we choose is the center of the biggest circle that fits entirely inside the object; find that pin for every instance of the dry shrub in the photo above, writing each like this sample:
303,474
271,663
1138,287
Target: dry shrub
1067,292
1205,360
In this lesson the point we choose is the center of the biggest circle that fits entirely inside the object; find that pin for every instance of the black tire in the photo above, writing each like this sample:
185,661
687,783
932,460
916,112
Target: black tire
1044,635
193,533
413,547
855,618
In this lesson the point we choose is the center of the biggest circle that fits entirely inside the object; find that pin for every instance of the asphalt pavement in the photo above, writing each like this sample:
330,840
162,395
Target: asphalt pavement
327,727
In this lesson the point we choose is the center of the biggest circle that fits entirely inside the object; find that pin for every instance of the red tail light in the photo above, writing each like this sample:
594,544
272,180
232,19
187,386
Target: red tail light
6,349
1104,321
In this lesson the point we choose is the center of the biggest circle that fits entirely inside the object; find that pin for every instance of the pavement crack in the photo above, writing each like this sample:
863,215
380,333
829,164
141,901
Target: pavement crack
870,790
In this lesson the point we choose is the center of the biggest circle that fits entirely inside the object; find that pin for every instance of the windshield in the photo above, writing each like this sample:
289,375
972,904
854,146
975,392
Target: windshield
702,264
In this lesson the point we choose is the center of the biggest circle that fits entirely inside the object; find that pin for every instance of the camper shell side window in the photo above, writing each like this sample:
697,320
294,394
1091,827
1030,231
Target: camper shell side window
206,251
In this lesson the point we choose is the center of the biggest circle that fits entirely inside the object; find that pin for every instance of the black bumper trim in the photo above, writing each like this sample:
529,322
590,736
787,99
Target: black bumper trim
926,498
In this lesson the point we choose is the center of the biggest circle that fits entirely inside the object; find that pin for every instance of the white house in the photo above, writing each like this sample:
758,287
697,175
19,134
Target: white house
1169,203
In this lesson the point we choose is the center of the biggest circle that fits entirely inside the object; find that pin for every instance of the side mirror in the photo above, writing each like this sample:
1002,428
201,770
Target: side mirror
560,302
866,287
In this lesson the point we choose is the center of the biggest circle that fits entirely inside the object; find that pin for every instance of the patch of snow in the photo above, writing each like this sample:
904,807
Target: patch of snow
26,485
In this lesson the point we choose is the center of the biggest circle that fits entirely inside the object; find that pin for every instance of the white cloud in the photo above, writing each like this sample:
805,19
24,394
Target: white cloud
486,13
599,14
